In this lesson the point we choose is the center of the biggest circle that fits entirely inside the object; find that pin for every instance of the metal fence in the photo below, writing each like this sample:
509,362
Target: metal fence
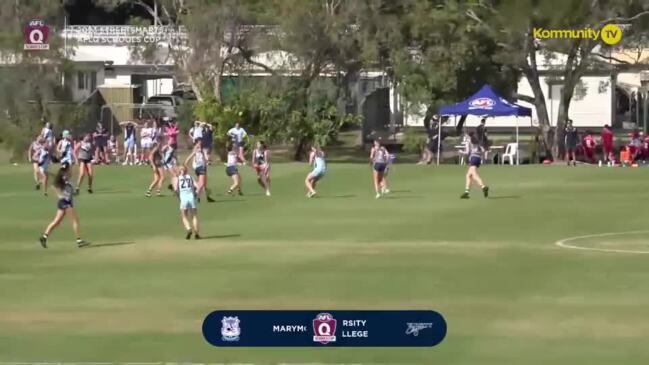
111,115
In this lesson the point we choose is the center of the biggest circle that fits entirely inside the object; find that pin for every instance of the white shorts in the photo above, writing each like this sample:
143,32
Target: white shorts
147,143
187,203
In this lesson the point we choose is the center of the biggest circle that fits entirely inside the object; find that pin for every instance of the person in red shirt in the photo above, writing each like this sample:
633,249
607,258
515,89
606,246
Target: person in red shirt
635,145
589,146
645,148
607,143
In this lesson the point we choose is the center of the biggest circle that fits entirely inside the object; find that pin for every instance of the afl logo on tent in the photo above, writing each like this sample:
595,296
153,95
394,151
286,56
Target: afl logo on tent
482,103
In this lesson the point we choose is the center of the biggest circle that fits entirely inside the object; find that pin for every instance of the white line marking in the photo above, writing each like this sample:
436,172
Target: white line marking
166,363
564,242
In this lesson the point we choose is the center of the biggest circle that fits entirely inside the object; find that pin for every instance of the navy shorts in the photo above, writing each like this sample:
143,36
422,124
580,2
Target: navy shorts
64,204
201,170
379,166
475,161
231,170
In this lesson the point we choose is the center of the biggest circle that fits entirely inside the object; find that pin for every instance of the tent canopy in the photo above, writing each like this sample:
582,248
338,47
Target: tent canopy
486,102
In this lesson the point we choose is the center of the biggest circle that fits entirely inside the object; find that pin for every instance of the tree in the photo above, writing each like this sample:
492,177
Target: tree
31,88
432,53
512,22
210,39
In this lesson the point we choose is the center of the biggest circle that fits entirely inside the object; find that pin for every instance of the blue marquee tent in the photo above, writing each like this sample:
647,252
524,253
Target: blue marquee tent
486,102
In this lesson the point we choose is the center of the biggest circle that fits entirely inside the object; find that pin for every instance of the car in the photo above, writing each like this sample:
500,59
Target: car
163,105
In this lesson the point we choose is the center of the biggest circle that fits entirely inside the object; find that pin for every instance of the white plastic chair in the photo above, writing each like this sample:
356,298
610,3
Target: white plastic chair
510,153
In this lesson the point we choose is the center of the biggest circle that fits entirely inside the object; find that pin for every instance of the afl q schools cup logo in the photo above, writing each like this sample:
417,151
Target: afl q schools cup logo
36,35
324,328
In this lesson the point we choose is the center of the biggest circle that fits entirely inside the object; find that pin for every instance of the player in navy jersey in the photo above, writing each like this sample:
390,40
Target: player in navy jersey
261,164
379,159
476,151
158,173
199,163
231,169
33,154
65,206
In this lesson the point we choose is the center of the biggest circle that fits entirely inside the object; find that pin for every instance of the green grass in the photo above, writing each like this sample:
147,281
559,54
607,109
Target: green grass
509,295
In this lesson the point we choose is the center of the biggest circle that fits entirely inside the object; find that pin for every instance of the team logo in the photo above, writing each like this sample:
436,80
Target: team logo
482,103
414,328
324,328
36,35
230,330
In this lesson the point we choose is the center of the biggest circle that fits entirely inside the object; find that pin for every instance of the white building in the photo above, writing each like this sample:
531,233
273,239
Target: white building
599,98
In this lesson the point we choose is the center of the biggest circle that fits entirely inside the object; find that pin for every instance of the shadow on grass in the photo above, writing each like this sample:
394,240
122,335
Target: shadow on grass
107,191
108,244
392,197
505,197
232,200
338,196
217,236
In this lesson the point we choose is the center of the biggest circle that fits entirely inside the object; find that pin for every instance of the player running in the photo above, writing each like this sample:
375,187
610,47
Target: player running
231,169
65,149
169,163
385,189
83,151
261,164
379,158
476,151
33,154
65,206
199,163
41,161
186,188
158,174
317,159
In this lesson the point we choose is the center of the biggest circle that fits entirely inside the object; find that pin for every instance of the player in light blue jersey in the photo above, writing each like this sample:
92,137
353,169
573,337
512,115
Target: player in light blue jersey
476,151
66,149
65,206
185,187
317,159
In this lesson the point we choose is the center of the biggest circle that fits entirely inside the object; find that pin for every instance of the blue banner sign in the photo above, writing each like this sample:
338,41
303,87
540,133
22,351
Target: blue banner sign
290,328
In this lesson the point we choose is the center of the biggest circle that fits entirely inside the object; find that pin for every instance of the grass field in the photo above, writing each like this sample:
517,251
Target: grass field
509,294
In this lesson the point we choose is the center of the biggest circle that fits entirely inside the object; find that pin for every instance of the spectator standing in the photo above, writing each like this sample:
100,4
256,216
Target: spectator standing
238,136
607,137
100,137
208,142
571,141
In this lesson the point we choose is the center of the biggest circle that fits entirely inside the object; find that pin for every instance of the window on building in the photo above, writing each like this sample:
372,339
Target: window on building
81,80
93,80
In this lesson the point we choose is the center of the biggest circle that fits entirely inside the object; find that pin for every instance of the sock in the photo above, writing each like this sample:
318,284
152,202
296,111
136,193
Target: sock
45,235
